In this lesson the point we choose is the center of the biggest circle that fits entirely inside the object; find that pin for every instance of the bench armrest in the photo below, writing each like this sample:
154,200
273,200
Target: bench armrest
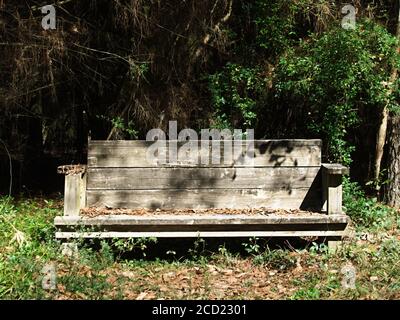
334,168
74,188
332,187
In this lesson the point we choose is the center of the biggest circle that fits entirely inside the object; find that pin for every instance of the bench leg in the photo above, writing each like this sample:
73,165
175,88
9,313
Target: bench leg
74,194
332,193
332,197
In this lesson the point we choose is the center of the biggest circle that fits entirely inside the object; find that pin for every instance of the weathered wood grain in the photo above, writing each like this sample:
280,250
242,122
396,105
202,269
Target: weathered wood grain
201,178
205,198
272,153
334,168
291,225
74,193
285,174
332,193
217,219
197,234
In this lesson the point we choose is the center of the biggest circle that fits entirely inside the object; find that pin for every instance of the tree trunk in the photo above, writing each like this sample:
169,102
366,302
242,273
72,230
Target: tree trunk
392,194
382,131
380,143
392,189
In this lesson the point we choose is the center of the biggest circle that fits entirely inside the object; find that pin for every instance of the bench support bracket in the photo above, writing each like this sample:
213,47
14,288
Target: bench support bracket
332,193
75,189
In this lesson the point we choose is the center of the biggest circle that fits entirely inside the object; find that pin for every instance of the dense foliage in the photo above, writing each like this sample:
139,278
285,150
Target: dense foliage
115,69
119,68
337,77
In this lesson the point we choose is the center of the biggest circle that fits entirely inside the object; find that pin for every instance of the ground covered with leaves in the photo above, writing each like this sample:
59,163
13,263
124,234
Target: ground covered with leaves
31,266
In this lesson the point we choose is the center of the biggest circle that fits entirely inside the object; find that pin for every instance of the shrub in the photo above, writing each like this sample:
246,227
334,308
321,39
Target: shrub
235,93
365,211
333,76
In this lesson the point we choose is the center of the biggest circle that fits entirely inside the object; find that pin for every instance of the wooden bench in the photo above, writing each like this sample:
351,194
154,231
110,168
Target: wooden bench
285,174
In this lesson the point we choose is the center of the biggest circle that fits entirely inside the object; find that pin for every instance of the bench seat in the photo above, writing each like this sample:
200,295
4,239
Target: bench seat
181,226
285,174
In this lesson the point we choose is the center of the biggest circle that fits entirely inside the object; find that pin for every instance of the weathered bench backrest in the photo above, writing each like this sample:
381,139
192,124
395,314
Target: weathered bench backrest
285,175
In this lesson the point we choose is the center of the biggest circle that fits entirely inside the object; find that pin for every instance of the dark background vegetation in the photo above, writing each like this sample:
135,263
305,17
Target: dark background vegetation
117,68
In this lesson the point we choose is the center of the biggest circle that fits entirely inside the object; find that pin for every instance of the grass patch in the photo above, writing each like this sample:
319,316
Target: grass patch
367,213
103,270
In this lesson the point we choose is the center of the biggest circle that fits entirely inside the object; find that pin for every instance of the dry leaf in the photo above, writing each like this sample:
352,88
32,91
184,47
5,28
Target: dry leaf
141,296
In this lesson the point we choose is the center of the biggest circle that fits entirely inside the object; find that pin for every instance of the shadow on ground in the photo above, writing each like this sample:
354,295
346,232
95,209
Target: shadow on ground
194,249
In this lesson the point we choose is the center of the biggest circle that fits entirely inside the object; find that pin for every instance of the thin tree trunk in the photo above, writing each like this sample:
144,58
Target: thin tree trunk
382,131
392,190
380,143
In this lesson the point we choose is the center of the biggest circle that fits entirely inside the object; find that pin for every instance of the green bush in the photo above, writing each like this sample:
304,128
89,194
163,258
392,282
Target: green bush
334,76
235,93
280,24
366,212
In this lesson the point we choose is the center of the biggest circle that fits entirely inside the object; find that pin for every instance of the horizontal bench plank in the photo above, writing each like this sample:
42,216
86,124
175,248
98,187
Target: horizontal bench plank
281,142
334,168
290,225
200,178
206,198
199,234
272,153
313,218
